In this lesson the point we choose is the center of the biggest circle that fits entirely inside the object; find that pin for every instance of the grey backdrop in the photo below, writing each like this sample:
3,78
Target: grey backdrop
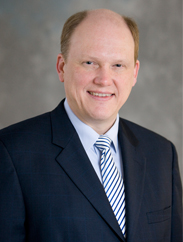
29,44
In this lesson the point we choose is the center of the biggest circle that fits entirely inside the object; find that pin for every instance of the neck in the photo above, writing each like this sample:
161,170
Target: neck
101,127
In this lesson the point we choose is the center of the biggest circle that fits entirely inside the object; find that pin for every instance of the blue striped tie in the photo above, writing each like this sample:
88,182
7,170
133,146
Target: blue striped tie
112,182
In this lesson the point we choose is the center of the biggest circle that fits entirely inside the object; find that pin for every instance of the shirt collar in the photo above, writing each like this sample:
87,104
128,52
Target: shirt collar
87,135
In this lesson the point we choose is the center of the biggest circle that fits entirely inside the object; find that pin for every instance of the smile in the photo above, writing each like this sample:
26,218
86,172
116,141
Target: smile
100,94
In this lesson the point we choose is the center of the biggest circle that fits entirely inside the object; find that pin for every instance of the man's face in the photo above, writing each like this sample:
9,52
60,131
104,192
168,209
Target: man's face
99,72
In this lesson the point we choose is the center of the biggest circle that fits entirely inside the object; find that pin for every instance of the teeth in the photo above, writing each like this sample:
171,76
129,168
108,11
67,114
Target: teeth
100,94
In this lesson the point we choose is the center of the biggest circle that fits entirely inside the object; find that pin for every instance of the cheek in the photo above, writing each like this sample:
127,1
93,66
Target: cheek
125,83
75,84
124,86
81,80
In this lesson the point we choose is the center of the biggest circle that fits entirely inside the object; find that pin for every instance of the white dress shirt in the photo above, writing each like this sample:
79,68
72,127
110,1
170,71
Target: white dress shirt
88,137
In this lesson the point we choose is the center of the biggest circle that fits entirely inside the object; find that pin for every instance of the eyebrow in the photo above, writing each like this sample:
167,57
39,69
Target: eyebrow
98,59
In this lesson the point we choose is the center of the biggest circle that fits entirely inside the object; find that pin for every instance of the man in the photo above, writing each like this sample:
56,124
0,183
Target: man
52,182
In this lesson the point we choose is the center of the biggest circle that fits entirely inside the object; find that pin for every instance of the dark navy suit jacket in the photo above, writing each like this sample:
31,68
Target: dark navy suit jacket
49,191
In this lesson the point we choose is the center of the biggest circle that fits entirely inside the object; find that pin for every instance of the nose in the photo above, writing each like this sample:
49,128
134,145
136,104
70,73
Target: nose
103,76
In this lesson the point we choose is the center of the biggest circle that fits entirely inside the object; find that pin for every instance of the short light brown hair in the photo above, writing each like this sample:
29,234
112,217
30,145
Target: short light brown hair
135,34
68,29
73,21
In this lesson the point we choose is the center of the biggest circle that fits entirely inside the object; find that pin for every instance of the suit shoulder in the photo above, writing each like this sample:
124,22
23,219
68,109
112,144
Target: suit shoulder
142,133
32,126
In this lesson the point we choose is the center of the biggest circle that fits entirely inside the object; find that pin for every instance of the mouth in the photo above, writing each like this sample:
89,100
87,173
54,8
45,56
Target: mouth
100,94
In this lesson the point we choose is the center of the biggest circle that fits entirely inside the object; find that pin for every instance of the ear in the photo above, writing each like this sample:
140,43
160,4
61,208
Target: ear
136,70
60,67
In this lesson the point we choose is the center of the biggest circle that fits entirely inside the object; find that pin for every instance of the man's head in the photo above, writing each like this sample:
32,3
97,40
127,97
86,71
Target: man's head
98,67
74,20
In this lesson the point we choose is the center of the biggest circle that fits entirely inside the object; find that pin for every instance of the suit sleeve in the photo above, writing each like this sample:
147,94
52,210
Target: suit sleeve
176,233
12,210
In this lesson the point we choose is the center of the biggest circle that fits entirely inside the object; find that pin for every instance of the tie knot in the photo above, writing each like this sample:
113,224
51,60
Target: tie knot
103,143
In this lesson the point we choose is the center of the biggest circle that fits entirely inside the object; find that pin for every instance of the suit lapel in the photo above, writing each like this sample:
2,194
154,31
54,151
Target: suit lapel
73,159
134,165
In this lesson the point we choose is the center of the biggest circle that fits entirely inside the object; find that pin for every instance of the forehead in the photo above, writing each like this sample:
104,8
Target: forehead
100,31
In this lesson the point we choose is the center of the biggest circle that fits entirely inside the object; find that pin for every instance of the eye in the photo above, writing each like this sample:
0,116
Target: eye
90,65
89,62
118,65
